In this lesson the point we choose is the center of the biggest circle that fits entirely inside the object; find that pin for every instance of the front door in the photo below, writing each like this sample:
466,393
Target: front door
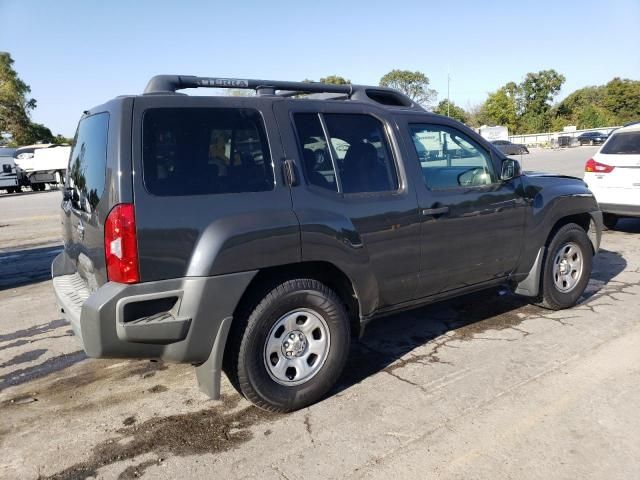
472,222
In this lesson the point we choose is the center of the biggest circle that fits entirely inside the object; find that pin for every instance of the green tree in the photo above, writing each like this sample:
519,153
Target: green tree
335,80
500,108
413,84
538,90
453,111
623,99
39,133
524,107
61,139
15,103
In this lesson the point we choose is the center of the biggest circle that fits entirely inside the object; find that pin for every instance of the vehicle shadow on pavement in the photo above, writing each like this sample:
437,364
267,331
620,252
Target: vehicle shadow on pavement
23,267
628,225
388,340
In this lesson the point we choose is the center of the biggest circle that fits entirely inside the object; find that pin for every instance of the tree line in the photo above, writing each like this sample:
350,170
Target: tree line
524,107
16,105
527,106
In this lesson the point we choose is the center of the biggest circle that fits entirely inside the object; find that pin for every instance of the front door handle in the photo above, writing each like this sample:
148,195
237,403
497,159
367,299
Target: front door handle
435,211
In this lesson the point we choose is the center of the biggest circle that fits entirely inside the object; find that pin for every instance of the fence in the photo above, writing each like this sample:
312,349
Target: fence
551,138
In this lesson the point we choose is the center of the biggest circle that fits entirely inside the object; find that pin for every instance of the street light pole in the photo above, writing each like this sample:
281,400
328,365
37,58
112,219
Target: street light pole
448,82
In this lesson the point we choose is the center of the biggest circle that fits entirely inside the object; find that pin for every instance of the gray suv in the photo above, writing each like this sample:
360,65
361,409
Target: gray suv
257,235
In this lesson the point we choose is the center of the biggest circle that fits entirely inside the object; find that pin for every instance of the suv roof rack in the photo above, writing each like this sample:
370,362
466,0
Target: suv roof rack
372,94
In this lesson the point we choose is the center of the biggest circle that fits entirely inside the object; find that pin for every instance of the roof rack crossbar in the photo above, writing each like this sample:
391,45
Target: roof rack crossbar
171,83
379,95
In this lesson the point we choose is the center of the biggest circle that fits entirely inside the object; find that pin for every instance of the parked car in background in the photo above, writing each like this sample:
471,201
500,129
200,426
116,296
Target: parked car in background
508,148
8,175
613,175
592,138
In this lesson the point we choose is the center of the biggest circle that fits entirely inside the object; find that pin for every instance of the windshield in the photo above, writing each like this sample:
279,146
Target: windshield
624,143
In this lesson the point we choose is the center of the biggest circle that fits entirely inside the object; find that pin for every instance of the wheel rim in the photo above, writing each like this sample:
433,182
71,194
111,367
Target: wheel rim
297,347
567,267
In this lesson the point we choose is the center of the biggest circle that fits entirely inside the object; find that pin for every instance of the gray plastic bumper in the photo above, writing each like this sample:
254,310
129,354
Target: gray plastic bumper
112,322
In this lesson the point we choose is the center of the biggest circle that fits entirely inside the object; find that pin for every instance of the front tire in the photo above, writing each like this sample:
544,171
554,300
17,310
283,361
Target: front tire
566,268
292,347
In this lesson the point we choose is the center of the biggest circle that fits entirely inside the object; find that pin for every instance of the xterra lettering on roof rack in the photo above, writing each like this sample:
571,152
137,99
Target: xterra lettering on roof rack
163,84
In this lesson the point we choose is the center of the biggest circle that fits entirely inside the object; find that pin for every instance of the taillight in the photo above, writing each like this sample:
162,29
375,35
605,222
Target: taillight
597,167
121,244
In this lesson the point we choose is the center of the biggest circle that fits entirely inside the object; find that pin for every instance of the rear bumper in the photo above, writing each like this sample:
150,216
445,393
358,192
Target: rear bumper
177,320
620,209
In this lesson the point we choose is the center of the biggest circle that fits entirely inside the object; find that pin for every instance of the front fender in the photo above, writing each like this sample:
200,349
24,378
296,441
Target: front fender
551,199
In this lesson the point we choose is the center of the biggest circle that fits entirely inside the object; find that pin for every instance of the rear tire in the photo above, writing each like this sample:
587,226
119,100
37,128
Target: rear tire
610,220
566,268
279,374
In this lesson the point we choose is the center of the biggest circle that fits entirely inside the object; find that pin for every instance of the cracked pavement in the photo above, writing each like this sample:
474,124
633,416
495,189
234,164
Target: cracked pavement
483,386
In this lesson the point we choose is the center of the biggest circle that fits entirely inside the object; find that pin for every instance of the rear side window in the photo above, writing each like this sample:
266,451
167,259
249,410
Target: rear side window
199,151
623,143
316,156
6,168
355,147
88,162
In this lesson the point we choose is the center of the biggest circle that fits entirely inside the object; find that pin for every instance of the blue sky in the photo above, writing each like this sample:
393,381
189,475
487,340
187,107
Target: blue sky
75,55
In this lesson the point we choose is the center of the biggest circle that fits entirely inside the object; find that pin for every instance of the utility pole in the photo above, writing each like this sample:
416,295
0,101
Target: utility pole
448,82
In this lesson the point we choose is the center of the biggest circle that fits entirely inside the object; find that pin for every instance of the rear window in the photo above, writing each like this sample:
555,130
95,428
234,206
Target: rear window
88,162
623,143
199,151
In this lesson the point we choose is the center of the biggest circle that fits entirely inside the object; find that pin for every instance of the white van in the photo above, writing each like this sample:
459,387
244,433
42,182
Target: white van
43,164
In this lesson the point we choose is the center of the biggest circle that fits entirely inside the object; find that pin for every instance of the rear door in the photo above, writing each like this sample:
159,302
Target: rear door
472,222
358,207
83,219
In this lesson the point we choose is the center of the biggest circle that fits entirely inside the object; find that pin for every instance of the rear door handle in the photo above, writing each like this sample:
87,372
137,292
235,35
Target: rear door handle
435,211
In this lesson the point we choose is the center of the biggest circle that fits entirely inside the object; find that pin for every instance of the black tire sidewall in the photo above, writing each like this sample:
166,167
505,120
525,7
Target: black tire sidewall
255,381
553,297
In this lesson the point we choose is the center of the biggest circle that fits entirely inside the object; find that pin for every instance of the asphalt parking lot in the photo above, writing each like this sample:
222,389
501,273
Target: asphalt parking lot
485,386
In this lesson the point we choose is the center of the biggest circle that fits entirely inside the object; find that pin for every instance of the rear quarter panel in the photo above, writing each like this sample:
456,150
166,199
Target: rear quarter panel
204,235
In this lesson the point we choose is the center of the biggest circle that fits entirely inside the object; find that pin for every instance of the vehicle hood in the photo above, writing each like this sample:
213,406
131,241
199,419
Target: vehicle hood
538,175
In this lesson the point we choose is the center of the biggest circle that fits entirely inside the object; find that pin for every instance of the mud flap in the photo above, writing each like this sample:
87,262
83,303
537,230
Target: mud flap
208,373
530,286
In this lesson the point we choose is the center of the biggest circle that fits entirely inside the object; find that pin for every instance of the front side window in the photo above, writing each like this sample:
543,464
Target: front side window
450,159
623,143
355,158
88,162
203,151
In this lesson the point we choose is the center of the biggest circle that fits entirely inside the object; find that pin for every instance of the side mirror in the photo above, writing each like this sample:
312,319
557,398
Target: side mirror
510,169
